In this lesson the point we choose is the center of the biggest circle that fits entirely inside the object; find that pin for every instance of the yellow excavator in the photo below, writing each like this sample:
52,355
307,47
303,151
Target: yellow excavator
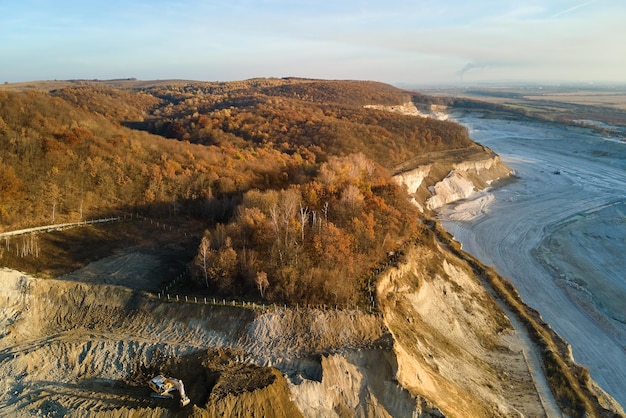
164,386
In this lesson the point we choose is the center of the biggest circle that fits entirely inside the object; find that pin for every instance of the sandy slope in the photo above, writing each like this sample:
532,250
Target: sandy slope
85,350
455,345
559,233
79,349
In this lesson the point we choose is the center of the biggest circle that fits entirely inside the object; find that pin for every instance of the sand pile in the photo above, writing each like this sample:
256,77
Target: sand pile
75,348
79,349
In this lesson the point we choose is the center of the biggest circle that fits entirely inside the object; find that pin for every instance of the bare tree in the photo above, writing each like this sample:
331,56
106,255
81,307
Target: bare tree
202,261
304,217
351,196
261,283
53,195
283,215
290,199
275,218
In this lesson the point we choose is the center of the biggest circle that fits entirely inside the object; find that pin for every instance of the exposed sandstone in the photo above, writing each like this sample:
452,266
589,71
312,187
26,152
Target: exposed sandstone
437,183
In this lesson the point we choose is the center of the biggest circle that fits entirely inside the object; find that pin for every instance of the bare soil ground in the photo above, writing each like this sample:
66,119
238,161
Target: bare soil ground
140,253
609,99
455,345
78,349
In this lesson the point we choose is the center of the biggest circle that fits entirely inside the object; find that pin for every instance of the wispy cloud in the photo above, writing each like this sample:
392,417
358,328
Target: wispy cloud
573,8
389,41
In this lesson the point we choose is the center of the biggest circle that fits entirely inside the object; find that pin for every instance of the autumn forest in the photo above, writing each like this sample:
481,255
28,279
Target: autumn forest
290,178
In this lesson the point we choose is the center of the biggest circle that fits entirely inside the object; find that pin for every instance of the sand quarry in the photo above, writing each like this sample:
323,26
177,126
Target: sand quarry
77,349
440,346
558,233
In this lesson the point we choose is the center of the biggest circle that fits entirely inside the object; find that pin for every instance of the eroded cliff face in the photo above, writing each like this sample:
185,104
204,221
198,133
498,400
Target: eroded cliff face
441,181
409,108
436,179
454,345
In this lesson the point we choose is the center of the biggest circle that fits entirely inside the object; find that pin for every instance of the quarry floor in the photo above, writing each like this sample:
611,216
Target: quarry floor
558,233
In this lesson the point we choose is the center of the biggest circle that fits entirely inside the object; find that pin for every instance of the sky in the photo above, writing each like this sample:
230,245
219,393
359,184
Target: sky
394,41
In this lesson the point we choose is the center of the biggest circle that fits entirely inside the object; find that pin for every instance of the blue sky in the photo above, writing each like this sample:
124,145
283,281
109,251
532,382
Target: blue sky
395,41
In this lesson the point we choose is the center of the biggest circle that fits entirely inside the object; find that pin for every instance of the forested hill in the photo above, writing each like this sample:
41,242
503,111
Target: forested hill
289,175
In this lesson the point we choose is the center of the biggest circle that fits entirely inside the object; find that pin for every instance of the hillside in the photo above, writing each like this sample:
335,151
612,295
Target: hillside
279,172
295,200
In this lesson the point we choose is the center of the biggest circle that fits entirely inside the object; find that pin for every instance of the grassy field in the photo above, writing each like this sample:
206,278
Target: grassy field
605,104
615,99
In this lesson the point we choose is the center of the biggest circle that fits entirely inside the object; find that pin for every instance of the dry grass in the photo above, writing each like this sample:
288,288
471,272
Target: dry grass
615,100
563,104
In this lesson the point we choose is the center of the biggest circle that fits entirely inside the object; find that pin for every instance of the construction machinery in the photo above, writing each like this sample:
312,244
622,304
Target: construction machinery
164,386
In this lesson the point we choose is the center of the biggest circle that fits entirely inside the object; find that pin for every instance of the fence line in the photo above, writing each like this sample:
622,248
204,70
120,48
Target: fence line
263,307
167,295
59,227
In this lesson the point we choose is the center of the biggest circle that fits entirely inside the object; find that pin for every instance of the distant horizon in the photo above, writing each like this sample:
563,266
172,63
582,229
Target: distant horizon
446,42
451,82
401,85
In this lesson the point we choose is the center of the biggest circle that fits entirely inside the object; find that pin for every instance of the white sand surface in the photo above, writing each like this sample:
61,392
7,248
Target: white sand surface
558,233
